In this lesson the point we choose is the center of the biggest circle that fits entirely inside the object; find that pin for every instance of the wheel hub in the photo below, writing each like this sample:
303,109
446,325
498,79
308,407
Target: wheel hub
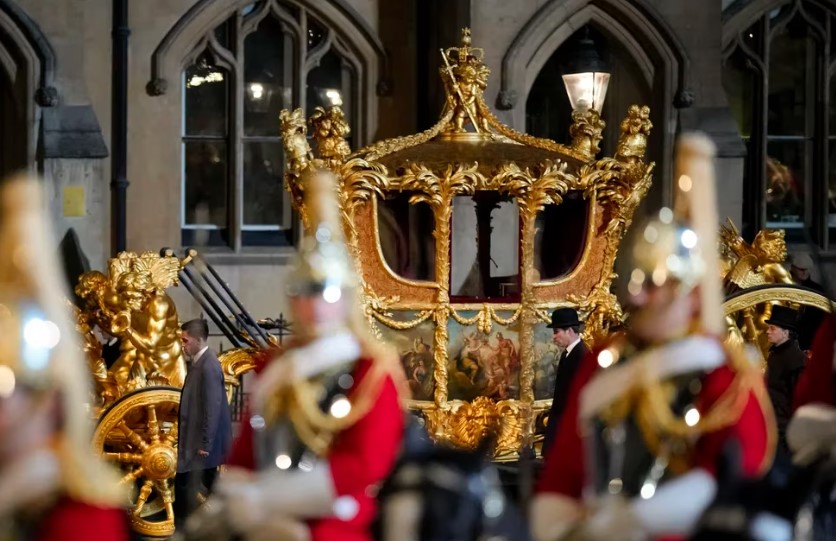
159,461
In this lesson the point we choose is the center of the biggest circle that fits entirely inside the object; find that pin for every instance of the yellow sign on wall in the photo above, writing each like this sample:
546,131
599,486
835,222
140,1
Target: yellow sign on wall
74,204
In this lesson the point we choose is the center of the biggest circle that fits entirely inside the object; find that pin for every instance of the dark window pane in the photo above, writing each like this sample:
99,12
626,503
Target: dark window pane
785,182
263,190
222,32
739,83
405,233
206,170
267,238
832,125
788,77
832,36
561,236
206,99
316,33
326,85
268,78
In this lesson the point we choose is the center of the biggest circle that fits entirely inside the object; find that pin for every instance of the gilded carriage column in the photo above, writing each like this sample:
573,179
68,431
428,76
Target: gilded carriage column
443,214
528,319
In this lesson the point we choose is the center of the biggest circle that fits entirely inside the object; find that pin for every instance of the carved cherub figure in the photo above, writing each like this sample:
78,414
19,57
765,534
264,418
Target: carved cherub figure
465,79
132,305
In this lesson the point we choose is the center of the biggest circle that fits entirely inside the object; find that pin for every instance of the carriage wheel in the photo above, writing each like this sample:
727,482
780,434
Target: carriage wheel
139,434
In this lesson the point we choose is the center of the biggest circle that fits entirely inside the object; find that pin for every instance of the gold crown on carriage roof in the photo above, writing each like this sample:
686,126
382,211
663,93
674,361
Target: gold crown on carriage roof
464,52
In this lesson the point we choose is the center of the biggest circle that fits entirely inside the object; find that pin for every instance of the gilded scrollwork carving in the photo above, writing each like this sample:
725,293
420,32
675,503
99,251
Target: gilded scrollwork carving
585,131
297,151
635,130
533,189
330,129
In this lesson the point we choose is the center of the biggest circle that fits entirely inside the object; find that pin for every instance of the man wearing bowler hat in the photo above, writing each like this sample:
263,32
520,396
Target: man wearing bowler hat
783,367
566,327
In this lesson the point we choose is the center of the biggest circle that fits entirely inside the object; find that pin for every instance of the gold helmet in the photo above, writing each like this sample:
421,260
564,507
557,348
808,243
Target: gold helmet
323,266
38,352
680,245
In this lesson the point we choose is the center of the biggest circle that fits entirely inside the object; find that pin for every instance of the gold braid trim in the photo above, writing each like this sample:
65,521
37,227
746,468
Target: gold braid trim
658,422
300,403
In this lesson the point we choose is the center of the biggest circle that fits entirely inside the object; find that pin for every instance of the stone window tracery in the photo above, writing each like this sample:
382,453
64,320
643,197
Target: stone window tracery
267,56
778,77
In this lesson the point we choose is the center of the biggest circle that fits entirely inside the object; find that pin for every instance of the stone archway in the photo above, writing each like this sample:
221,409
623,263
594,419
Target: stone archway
26,70
12,156
636,28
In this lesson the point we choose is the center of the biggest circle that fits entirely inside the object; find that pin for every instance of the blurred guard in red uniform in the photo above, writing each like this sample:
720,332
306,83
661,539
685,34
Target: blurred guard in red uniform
636,454
327,421
52,487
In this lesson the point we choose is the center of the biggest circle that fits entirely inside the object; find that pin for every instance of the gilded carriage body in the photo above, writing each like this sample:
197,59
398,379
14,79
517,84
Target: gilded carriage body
431,218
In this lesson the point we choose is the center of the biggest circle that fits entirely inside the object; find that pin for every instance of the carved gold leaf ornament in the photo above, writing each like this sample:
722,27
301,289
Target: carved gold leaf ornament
469,150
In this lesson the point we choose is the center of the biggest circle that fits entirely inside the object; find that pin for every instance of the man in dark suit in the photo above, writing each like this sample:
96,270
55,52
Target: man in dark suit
111,347
205,429
566,327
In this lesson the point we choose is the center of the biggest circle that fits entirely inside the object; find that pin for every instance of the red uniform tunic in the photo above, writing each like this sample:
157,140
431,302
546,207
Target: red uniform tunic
565,469
70,520
816,383
360,458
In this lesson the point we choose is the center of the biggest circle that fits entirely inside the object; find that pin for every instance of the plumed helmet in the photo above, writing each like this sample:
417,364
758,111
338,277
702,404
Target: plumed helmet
38,346
680,245
322,266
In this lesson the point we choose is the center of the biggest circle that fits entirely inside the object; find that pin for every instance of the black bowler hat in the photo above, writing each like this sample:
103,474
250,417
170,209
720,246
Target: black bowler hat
783,316
563,318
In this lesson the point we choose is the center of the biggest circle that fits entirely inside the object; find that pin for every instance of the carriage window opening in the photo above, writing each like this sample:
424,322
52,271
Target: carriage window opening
485,248
560,236
406,236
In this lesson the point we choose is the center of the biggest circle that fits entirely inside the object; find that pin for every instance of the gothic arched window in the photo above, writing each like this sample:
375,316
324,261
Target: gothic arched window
265,57
778,76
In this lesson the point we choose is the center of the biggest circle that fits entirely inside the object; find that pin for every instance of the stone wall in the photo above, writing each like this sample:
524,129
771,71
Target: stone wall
676,43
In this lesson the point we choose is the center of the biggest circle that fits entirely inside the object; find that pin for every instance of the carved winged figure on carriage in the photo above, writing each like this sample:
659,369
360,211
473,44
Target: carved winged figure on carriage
131,304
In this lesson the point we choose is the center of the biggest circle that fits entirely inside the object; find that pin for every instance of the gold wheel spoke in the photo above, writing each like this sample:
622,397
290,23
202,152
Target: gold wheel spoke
170,437
163,487
153,424
124,458
135,438
133,475
144,492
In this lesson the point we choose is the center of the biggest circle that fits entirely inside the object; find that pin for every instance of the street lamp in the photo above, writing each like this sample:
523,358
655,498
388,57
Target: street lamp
586,76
